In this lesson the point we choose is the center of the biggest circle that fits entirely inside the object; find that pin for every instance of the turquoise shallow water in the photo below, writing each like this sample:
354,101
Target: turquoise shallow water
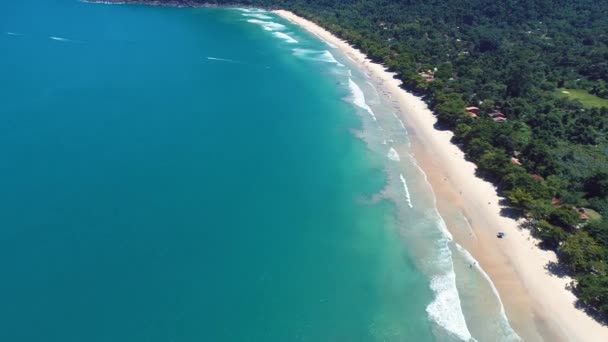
150,193
217,175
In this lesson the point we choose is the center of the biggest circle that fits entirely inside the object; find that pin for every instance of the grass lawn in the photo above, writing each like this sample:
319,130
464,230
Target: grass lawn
588,100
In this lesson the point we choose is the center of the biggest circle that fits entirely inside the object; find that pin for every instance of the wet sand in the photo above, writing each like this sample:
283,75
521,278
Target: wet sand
537,303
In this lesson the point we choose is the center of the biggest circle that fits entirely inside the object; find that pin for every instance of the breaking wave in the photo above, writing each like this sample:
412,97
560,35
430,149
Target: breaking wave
252,10
267,25
503,316
408,198
285,37
329,58
445,309
359,97
257,15
305,52
393,155
317,55
342,72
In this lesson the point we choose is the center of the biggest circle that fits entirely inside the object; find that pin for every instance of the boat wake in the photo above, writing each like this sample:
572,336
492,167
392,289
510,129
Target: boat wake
224,60
65,40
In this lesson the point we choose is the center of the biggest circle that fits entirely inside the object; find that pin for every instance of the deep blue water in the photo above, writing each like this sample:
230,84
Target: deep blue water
148,193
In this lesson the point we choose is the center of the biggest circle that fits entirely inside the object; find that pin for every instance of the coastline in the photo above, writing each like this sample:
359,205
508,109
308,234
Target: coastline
537,303
169,3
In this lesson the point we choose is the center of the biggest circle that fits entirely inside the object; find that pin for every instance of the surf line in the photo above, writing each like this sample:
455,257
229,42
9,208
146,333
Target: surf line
359,98
407,191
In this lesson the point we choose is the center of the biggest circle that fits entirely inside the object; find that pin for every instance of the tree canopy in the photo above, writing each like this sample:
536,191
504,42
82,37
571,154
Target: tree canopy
546,152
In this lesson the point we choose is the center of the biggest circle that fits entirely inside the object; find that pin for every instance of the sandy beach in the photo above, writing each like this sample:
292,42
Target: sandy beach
537,303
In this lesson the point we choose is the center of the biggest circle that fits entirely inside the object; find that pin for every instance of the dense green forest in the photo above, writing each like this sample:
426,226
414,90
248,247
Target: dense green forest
546,152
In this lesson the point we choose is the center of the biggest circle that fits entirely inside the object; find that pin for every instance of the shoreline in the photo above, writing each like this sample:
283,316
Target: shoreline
537,303
169,3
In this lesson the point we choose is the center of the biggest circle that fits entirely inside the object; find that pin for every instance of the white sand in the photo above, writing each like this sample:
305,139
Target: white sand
537,303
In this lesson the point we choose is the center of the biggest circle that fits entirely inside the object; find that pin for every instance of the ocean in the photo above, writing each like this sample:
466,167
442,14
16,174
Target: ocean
213,175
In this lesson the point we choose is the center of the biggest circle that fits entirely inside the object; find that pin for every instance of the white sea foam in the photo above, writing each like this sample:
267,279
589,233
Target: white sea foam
503,316
257,15
408,198
14,34
328,57
359,97
285,37
445,309
393,155
316,55
305,52
105,2
339,71
267,25
342,72
252,10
